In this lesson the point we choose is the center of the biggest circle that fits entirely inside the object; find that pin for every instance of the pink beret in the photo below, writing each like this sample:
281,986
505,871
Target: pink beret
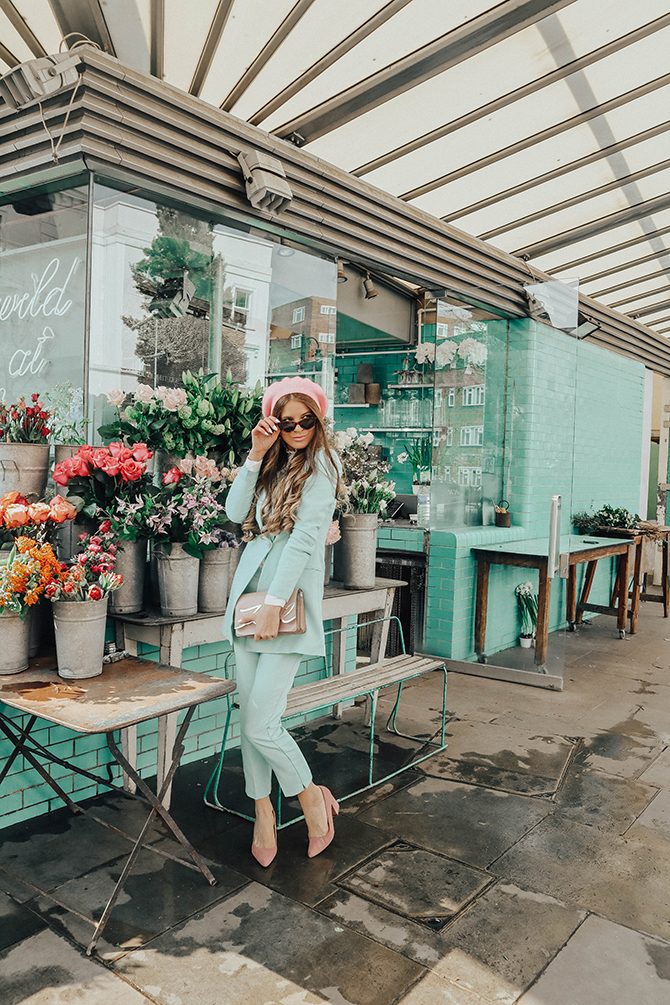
294,385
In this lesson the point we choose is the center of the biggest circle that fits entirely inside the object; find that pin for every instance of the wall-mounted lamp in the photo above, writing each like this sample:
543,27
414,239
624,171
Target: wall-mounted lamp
341,274
37,78
267,187
369,287
284,250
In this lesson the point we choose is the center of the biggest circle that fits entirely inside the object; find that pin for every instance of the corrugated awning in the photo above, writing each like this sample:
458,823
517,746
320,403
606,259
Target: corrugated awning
542,128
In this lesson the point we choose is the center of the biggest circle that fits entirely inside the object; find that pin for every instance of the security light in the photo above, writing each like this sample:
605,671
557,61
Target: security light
341,274
584,329
37,78
267,187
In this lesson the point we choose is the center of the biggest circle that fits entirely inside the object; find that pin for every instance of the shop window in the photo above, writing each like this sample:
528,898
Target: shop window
298,315
472,436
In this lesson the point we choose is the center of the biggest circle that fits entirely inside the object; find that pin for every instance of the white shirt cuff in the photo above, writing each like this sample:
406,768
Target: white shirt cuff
253,465
273,601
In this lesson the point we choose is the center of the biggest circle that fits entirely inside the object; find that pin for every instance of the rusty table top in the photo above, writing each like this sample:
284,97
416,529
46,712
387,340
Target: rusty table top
127,692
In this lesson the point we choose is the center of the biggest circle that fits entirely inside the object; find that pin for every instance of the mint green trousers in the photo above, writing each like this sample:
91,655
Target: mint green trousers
263,683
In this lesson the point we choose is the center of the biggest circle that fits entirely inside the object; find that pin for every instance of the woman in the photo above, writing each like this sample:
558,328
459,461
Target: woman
284,496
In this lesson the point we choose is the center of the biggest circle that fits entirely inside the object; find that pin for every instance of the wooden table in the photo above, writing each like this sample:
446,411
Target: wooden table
637,594
173,635
575,549
127,692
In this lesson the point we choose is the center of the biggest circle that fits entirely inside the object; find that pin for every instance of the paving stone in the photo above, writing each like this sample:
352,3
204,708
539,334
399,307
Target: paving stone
626,748
47,969
416,883
656,816
626,879
433,990
658,772
16,922
292,873
605,801
157,895
500,757
605,964
267,948
465,822
58,848
495,948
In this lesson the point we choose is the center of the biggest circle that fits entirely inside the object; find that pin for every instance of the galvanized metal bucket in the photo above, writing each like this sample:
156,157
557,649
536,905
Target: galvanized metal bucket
15,642
131,561
213,584
24,468
80,637
358,550
178,575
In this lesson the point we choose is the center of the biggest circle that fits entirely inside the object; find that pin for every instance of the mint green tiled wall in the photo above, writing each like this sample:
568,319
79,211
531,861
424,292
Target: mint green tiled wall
574,428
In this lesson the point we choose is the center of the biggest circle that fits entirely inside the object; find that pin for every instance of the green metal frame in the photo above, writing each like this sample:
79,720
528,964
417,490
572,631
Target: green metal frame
213,783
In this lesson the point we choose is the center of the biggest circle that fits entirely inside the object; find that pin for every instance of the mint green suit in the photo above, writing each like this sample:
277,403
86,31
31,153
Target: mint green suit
266,669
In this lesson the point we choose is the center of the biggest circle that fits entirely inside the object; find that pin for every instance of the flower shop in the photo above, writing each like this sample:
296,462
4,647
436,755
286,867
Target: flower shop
146,302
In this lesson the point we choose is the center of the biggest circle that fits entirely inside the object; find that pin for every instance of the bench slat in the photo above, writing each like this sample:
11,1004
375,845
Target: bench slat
341,687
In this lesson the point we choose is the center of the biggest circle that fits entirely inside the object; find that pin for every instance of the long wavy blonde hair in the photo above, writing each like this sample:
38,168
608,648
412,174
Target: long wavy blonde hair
283,474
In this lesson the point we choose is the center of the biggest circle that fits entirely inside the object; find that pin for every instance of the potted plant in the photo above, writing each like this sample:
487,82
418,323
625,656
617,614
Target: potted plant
79,595
30,569
24,445
38,520
185,517
368,495
420,455
527,604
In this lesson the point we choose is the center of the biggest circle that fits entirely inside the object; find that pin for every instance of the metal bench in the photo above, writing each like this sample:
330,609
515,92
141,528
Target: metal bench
336,688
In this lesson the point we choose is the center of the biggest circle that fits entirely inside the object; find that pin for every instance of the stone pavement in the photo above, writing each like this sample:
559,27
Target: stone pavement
529,863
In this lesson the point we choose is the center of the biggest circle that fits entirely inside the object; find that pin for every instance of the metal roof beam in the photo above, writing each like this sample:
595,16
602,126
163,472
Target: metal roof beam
157,56
83,17
594,227
651,310
622,268
216,29
660,321
640,296
8,57
631,282
601,253
516,95
576,199
20,25
543,134
475,36
266,53
348,43
540,179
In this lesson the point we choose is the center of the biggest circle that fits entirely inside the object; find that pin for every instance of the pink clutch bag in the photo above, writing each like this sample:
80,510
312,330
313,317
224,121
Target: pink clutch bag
291,619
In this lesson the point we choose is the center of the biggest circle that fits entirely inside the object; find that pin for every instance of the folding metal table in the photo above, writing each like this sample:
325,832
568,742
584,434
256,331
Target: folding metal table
128,691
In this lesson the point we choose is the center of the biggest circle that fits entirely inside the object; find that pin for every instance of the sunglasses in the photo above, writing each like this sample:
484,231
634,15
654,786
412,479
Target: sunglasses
307,422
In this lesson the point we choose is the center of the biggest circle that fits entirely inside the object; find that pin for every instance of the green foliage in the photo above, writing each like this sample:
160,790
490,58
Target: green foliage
608,516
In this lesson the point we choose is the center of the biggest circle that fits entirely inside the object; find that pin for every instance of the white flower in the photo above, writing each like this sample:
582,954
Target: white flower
473,351
445,353
144,394
185,465
174,398
425,352
382,505
160,392
116,397
401,458
367,439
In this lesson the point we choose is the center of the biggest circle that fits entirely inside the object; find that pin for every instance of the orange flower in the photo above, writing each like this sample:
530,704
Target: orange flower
8,499
39,512
61,510
16,515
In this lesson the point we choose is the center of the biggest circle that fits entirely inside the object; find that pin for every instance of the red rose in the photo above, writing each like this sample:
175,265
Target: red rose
131,470
45,430
86,453
100,457
68,588
141,453
61,474
105,526
94,593
43,415
34,397
112,466
78,466
172,476
82,558
51,590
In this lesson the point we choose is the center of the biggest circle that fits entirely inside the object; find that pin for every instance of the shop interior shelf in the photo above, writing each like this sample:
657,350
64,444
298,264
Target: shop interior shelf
398,429
410,386
345,405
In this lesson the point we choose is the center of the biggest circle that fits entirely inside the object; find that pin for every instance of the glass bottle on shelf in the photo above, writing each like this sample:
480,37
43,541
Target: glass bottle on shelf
414,416
390,408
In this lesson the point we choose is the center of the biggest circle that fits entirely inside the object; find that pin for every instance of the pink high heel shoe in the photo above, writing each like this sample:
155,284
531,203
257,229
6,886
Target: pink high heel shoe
317,844
264,856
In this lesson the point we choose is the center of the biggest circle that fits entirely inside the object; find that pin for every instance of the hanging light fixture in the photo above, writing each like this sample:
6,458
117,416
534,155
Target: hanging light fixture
341,275
369,287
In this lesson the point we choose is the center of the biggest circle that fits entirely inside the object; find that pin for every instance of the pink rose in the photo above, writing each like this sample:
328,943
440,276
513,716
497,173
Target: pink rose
100,457
144,394
131,470
78,467
141,453
174,398
172,476
112,466
116,397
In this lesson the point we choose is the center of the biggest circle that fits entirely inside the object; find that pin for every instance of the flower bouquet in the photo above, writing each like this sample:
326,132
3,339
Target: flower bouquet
363,472
188,507
30,569
98,478
91,575
34,520
527,603
23,423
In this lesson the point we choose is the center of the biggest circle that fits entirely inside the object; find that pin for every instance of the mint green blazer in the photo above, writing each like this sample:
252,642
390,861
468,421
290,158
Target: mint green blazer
285,561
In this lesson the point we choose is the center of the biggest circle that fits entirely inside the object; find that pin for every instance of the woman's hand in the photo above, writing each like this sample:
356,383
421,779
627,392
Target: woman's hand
267,622
263,436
